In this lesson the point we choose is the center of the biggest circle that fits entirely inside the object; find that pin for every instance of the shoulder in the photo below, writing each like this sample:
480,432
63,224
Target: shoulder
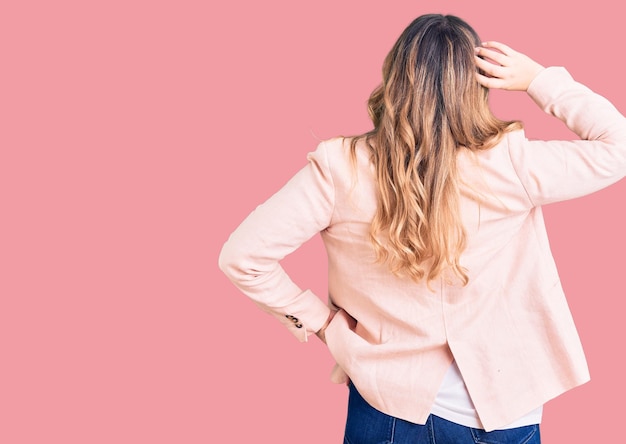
508,150
514,139
500,149
337,153
334,147
344,165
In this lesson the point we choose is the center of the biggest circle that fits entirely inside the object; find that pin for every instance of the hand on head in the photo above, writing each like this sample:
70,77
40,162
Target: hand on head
505,68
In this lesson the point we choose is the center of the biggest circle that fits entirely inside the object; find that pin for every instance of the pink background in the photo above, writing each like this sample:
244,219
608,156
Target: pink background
136,135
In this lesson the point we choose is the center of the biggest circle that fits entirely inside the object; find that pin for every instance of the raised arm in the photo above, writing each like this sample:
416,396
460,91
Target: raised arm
557,170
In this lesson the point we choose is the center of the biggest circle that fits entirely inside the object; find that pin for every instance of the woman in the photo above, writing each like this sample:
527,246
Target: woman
446,314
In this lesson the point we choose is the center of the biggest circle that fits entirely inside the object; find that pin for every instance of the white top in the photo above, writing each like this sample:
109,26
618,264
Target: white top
454,404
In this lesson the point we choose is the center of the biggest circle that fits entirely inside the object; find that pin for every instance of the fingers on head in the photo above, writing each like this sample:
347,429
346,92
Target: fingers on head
492,56
488,82
504,49
484,80
488,67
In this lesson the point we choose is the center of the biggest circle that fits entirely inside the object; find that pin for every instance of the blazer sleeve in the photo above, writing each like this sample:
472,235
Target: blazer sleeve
250,258
552,171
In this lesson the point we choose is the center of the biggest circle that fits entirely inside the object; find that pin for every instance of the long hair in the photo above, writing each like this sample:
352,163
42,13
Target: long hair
427,107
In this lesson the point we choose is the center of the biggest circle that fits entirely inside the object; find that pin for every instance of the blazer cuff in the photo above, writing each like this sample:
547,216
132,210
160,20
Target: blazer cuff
548,84
303,317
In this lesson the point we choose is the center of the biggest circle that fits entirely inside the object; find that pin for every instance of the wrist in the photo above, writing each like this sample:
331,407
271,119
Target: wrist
331,315
320,333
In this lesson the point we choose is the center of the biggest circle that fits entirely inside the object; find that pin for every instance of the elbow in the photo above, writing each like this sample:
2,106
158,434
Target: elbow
240,265
227,261
235,264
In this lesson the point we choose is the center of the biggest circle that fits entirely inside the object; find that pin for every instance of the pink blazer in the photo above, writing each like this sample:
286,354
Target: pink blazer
510,329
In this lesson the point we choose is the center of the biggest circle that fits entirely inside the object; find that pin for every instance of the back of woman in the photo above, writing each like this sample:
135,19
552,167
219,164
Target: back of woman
445,314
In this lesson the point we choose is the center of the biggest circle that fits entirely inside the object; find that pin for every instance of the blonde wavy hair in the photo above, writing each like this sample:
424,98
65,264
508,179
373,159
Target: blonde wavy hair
427,107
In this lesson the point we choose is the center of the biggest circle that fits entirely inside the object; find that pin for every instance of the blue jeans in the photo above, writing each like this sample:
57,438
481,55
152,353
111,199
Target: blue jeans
366,425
